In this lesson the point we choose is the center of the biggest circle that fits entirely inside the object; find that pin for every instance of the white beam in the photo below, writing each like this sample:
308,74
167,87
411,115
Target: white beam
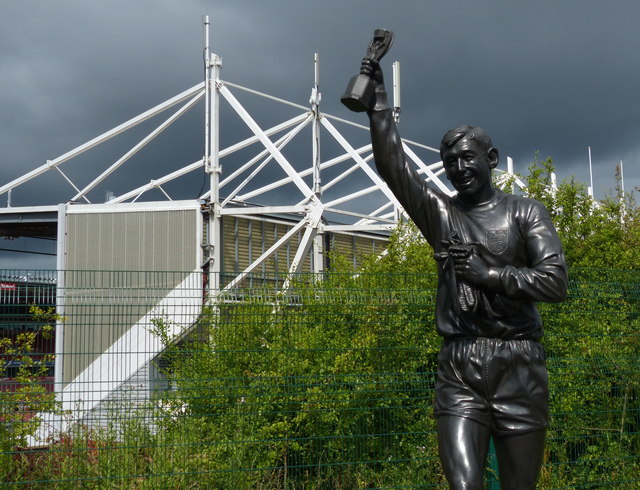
138,147
312,221
251,140
356,215
344,174
303,173
376,212
187,169
266,96
263,210
102,138
430,175
69,180
370,173
280,143
154,183
286,166
356,227
352,196
269,132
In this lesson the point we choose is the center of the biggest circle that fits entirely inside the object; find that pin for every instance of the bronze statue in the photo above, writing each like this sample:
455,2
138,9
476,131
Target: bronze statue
497,255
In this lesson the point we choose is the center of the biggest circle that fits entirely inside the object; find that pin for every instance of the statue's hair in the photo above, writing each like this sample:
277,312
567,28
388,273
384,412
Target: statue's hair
454,135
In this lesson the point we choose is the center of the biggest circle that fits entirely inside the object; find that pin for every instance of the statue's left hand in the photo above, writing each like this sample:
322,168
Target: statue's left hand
472,269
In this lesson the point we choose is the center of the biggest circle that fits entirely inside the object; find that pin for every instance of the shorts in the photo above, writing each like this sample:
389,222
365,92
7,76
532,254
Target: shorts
502,384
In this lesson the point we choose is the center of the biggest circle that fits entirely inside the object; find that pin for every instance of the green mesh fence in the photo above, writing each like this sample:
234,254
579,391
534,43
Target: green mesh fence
328,384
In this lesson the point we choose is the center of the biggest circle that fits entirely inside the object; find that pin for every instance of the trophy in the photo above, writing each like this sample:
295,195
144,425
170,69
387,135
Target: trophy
360,88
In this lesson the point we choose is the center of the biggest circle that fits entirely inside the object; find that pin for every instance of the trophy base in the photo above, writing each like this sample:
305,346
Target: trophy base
357,96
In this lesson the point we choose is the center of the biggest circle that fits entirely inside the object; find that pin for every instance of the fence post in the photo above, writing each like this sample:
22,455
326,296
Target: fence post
492,473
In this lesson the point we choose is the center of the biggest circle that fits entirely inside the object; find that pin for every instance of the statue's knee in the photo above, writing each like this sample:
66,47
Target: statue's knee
461,476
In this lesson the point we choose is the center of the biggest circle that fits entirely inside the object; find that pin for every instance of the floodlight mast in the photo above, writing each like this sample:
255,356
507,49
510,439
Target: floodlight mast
212,65
205,58
315,108
623,209
396,91
317,245
590,189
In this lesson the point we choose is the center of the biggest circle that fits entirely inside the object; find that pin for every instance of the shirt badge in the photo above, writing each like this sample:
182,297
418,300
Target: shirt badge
497,241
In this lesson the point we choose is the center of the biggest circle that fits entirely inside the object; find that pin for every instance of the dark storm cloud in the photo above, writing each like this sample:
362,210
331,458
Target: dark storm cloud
553,77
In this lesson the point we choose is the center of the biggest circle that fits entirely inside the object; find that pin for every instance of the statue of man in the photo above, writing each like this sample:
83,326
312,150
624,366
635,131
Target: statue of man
498,254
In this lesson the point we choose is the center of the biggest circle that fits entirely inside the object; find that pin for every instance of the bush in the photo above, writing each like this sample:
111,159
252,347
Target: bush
26,394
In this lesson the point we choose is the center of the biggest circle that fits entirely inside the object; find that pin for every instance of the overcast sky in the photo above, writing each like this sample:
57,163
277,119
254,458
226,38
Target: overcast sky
553,77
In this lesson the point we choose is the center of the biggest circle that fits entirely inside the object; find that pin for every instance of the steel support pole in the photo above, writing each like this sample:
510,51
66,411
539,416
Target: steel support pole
214,170
590,189
213,64
318,242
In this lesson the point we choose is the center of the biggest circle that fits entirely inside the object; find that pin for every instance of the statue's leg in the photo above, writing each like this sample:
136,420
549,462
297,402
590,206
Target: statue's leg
520,459
463,444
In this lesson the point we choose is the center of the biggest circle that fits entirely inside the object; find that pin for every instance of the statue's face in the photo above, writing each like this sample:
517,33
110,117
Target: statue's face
468,167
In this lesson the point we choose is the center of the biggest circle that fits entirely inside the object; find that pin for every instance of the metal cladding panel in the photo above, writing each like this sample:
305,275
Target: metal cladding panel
229,261
165,240
364,245
119,265
356,246
245,240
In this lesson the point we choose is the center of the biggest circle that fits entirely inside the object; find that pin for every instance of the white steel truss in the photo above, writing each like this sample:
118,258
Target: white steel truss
336,204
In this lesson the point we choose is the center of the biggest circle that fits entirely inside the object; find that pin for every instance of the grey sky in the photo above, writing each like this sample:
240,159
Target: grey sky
548,76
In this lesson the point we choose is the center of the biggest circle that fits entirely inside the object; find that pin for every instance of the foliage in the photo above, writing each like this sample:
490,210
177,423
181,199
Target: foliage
593,347
26,395
288,388
604,234
406,253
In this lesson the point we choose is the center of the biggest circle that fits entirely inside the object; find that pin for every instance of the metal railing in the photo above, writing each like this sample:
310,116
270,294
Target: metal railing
328,384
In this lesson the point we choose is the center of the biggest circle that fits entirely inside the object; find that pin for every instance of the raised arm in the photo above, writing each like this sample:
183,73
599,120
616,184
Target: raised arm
407,185
385,139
